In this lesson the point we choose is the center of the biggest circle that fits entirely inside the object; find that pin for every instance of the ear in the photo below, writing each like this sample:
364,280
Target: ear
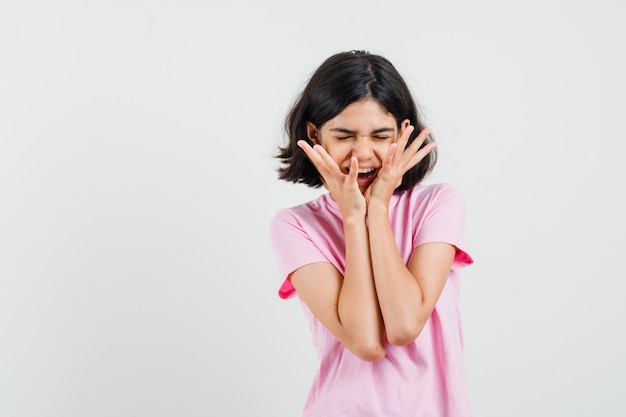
312,132
403,125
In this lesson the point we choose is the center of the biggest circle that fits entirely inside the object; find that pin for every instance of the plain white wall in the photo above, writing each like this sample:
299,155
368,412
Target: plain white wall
137,183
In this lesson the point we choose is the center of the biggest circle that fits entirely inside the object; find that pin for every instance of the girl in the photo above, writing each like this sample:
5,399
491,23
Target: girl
374,261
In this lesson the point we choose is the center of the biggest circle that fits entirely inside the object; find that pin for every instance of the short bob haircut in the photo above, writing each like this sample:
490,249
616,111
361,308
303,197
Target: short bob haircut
342,79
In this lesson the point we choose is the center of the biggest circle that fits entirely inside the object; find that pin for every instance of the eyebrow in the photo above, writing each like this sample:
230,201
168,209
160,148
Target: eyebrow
352,132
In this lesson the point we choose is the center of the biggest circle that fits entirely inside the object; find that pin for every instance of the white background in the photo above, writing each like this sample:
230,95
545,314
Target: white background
137,183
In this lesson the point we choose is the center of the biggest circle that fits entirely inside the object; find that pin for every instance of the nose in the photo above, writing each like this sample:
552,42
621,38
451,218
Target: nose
362,149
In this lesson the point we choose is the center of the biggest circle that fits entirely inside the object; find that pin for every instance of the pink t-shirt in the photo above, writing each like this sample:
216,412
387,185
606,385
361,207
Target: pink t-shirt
423,379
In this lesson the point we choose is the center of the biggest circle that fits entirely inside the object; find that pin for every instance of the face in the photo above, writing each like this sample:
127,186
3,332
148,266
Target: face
365,130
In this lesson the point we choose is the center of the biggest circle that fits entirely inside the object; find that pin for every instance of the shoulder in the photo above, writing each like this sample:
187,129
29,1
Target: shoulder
432,193
300,209
428,201
295,216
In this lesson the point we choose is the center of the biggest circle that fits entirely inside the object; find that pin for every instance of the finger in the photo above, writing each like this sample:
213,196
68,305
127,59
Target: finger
308,150
405,135
411,156
354,169
315,154
420,154
419,140
323,162
329,163
391,154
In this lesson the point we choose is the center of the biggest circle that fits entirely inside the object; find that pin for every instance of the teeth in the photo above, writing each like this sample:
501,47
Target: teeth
363,170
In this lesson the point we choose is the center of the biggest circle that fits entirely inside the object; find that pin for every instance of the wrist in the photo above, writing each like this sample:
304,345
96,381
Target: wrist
354,219
376,206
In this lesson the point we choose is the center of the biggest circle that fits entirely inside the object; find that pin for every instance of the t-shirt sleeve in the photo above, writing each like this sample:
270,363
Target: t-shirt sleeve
293,248
444,221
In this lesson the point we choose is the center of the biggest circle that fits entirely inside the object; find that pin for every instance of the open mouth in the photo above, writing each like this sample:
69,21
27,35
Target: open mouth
366,173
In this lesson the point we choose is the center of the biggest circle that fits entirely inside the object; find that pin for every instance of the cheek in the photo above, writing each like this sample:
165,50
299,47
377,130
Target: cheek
337,152
383,148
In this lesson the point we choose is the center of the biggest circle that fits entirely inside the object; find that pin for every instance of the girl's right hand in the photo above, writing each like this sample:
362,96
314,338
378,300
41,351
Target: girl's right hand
343,188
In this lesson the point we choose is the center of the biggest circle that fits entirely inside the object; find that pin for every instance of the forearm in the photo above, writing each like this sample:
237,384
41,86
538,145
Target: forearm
398,291
358,308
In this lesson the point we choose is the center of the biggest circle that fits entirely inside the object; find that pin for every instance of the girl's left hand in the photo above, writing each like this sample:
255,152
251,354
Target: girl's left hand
397,162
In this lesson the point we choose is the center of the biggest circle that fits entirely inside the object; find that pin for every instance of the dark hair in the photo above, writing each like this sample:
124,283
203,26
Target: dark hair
342,79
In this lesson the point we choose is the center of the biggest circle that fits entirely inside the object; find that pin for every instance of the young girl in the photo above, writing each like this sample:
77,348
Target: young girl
375,261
